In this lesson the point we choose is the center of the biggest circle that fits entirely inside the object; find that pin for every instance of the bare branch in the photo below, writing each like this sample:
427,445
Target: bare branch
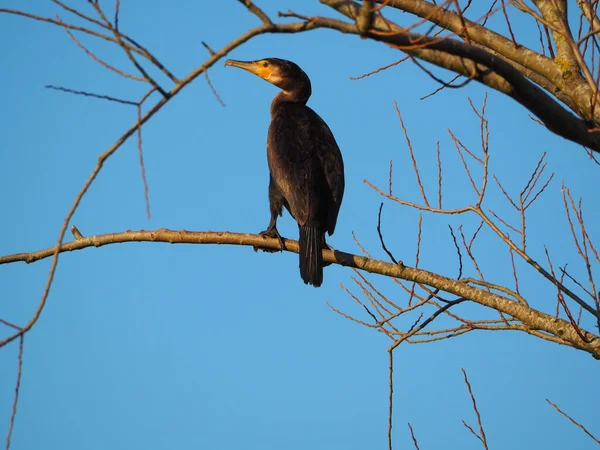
481,435
142,165
381,236
412,154
135,47
16,399
532,318
486,67
119,39
368,74
412,435
97,59
256,11
390,397
574,421
91,94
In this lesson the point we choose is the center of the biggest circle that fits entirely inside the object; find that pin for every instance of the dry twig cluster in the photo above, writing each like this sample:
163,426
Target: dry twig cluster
387,312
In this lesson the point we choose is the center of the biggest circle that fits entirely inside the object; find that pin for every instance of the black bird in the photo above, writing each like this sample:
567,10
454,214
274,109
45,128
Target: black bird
305,163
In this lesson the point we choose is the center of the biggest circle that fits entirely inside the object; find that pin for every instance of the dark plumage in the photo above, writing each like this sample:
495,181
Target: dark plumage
305,163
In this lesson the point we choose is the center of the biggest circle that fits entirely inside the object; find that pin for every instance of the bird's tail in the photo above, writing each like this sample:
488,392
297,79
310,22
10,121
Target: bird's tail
311,255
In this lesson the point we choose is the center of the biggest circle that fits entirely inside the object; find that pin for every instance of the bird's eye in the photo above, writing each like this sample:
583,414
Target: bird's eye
265,64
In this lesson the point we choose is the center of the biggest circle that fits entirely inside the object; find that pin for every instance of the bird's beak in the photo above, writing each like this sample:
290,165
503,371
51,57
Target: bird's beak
251,66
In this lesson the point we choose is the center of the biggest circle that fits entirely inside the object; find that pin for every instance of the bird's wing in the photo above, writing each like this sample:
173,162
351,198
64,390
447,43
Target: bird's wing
289,156
333,167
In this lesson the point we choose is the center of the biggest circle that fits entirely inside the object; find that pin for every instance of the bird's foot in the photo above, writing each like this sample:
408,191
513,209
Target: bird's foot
272,232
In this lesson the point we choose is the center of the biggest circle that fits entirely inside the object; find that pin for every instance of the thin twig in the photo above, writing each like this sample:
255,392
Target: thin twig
481,436
119,39
16,398
390,177
142,165
390,396
207,47
574,422
460,261
256,11
412,435
212,88
117,6
443,83
381,236
561,298
76,233
90,94
381,69
439,164
97,59
9,324
412,155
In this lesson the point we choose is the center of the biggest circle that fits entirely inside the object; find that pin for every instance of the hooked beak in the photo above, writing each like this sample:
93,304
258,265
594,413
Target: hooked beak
251,66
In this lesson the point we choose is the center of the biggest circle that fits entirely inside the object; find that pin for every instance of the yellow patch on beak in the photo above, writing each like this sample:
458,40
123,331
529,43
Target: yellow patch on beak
264,72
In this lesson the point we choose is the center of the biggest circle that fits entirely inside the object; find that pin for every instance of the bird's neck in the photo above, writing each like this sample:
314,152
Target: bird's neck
288,98
299,95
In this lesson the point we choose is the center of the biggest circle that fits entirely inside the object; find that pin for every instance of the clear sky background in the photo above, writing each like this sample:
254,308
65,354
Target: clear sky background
155,346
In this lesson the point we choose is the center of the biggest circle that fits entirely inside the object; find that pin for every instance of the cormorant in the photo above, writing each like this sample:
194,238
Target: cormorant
305,163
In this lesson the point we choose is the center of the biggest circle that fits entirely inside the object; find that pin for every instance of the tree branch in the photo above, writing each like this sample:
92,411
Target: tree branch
450,20
540,69
531,318
472,62
134,47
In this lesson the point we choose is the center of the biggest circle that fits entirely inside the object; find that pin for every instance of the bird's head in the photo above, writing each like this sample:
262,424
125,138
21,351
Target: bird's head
284,74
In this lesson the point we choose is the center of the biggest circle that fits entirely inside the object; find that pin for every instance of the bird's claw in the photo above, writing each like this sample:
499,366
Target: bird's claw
273,233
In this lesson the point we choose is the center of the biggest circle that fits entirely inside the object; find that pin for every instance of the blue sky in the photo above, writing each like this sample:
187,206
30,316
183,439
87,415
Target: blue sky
156,346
